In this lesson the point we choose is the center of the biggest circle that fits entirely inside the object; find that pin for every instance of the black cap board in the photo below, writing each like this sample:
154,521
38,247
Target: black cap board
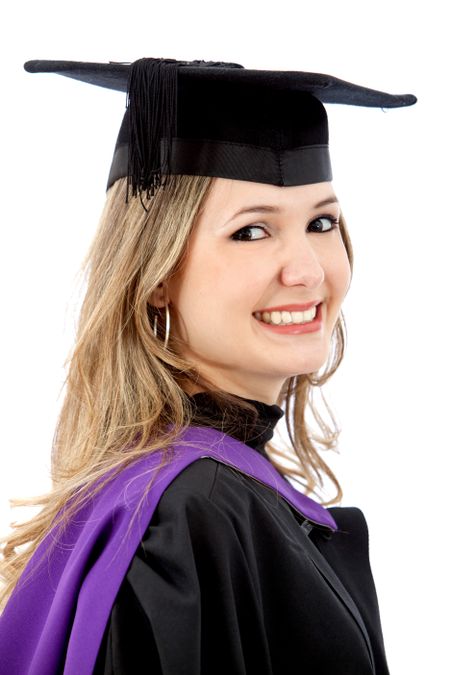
212,118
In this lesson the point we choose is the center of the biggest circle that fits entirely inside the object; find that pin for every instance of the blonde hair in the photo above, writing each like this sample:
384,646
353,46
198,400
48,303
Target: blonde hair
123,388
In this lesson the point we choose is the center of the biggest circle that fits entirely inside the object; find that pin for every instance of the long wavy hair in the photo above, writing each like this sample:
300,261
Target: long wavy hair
123,387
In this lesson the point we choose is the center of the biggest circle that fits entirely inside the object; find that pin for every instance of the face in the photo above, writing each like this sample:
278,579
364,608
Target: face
290,252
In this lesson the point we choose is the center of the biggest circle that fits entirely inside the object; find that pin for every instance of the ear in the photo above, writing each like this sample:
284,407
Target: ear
159,296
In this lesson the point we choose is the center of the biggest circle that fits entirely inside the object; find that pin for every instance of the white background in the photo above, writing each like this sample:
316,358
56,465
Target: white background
391,175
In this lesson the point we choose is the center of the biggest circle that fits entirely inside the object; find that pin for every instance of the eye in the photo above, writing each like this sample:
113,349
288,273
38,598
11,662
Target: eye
236,236
240,235
334,223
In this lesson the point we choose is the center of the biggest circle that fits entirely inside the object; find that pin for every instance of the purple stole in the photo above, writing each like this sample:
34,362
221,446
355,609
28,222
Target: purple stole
55,619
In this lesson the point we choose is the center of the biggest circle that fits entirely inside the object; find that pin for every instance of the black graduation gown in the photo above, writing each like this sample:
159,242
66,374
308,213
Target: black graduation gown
226,580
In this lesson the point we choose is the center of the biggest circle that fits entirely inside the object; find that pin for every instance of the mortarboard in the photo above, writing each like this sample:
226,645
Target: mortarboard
211,118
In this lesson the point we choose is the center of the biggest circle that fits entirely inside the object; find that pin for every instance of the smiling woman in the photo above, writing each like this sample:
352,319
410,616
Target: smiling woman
225,280
194,340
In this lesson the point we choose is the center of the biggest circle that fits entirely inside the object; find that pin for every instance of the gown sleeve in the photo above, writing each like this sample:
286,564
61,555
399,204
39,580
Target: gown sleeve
188,601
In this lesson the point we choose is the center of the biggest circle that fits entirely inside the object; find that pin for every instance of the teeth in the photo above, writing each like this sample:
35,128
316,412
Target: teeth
274,317
285,318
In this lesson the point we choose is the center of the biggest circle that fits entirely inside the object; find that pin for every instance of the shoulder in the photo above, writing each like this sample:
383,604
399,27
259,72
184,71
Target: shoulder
220,487
352,535
200,516
352,527
348,549
210,501
197,478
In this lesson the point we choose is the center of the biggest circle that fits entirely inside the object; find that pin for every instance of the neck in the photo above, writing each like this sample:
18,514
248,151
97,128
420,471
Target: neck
253,426
191,389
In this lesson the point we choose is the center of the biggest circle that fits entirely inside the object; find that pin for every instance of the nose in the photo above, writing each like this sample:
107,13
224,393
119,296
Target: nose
303,268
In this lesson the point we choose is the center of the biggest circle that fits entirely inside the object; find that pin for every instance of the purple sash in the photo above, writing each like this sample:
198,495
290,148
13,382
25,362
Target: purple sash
55,620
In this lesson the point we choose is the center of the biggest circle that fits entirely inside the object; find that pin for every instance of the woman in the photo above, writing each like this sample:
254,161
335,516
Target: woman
215,284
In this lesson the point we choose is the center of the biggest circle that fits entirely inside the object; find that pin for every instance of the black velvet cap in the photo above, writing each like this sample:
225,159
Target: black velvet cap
211,118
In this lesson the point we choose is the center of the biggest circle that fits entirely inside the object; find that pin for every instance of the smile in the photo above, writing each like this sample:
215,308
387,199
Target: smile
286,318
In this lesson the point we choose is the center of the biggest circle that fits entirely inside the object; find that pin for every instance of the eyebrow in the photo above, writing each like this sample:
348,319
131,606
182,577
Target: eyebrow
267,208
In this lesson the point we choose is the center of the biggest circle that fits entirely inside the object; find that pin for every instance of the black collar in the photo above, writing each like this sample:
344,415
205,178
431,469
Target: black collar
253,429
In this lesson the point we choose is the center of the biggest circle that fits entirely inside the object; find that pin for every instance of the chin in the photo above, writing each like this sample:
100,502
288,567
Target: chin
307,366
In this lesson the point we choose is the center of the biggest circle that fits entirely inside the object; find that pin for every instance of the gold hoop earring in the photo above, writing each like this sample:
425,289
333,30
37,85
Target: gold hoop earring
155,326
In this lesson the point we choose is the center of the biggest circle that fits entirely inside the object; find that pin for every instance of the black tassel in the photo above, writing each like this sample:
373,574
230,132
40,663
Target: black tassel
152,107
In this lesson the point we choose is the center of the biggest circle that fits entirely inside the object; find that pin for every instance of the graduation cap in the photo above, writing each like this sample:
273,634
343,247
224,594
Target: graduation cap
210,118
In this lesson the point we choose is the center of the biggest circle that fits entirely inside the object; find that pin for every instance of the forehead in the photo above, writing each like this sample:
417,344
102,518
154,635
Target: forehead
228,196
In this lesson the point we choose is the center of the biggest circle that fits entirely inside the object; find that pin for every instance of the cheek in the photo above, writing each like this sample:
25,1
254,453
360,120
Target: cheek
345,275
339,273
204,293
226,277
339,277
